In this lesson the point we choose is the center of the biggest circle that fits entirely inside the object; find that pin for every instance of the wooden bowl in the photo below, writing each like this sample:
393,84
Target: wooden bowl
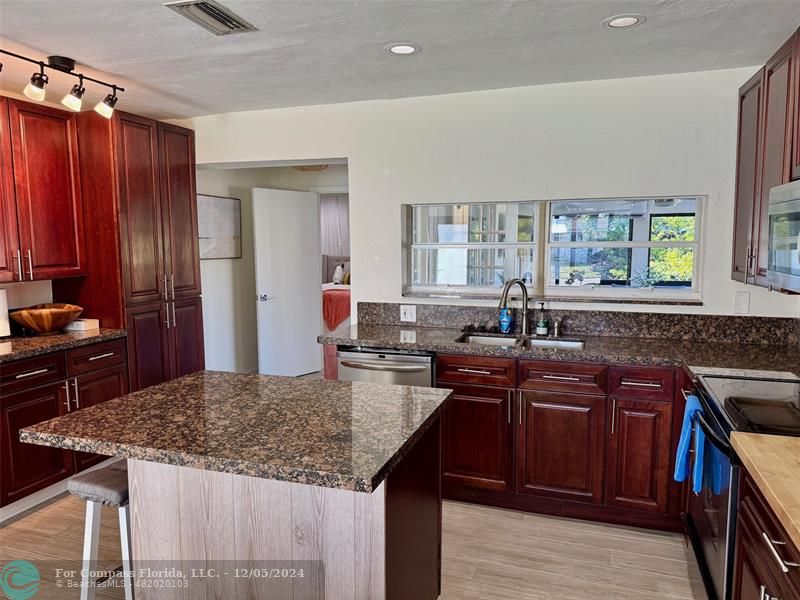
47,319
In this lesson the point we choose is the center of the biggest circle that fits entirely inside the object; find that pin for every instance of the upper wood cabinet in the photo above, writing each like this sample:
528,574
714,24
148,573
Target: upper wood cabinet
179,210
768,155
10,264
748,162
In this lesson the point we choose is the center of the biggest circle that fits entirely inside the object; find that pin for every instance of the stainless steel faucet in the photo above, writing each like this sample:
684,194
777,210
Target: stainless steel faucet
504,301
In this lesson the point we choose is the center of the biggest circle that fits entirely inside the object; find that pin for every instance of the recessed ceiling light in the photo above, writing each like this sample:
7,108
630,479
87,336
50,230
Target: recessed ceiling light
624,21
402,48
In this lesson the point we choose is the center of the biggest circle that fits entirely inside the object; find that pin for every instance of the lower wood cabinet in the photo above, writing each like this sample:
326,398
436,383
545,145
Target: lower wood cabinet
91,389
638,457
187,337
561,445
476,437
28,468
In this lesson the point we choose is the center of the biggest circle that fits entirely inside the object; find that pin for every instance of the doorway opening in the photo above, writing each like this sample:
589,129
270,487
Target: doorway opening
264,310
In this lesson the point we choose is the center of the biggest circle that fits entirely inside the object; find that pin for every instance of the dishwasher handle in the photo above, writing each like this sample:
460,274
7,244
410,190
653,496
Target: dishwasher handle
384,367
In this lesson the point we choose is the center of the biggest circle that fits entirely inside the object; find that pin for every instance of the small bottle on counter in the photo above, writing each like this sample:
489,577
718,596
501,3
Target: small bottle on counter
542,324
506,321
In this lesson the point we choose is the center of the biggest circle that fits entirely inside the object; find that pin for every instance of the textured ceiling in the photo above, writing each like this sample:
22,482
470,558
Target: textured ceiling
325,51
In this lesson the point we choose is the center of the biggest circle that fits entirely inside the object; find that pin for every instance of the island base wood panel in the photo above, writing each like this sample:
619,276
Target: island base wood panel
383,545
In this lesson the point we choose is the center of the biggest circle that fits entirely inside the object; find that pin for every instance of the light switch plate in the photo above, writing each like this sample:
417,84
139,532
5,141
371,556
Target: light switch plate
408,313
741,303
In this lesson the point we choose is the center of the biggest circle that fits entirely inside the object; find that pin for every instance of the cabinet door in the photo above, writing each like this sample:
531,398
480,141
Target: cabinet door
752,577
476,434
776,151
94,388
796,136
140,209
560,446
186,336
9,242
27,468
748,162
638,455
47,189
148,345
179,210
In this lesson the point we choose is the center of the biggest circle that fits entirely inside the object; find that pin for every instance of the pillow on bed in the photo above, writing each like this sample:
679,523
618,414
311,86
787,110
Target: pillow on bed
346,278
338,274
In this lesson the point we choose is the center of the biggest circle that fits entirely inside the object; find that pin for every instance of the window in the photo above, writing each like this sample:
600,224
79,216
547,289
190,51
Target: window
626,243
472,248
624,248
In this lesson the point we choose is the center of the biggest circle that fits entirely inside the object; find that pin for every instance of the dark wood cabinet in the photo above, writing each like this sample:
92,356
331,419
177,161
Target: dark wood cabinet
10,264
28,468
476,437
91,389
47,192
638,455
186,337
149,359
179,210
748,164
778,104
796,93
561,445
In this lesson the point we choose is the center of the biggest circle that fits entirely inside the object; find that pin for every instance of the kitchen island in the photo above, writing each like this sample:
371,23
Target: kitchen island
279,487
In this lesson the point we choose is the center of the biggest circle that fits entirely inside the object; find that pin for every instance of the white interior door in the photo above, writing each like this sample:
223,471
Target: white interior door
288,267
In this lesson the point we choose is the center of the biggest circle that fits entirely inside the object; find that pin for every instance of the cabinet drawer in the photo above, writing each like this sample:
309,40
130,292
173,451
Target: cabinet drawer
772,540
31,372
483,370
647,383
554,376
95,357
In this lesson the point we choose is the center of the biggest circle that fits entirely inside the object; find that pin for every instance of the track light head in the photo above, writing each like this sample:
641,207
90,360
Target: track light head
74,99
106,107
35,89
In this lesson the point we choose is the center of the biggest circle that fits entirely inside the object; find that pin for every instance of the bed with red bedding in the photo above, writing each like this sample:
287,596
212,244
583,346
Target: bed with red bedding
335,306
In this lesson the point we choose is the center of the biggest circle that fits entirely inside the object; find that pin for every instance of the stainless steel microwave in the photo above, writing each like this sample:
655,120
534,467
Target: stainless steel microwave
784,237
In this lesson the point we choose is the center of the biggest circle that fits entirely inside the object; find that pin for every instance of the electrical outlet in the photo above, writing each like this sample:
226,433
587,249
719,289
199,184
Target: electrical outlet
741,303
408,337
408,313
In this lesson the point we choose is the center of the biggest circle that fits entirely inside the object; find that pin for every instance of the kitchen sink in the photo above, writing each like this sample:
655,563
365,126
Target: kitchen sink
553,343
489,340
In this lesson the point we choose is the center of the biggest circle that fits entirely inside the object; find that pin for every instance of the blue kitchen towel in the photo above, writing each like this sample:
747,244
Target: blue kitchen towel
685,443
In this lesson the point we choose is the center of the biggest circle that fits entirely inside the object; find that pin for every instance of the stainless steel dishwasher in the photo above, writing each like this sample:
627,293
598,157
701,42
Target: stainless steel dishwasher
381,366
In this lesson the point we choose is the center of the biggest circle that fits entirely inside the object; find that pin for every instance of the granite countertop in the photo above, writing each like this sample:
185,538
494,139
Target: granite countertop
327,433
773,461
15,348
701,357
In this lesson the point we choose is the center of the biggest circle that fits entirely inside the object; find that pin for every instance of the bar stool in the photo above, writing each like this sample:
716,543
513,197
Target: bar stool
105,486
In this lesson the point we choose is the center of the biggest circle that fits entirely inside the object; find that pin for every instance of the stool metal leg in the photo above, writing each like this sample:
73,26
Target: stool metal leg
91,547
125,542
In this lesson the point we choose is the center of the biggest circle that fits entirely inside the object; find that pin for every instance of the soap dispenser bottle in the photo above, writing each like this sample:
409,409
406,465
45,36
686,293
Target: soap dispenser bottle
542,324
506,320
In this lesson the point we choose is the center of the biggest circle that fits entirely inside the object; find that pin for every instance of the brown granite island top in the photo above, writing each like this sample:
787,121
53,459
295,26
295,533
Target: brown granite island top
16,348
325,433
699,356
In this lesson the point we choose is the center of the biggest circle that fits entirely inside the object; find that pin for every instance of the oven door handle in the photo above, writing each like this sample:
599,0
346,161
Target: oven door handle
717,440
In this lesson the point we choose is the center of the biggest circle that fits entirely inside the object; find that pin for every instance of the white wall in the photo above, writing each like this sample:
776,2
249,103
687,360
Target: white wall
20,295
661,135
229,291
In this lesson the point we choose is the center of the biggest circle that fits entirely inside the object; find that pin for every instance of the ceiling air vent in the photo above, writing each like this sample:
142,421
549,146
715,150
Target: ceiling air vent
211,16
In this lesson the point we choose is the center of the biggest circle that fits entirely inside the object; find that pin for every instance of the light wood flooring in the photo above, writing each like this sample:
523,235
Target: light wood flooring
488,553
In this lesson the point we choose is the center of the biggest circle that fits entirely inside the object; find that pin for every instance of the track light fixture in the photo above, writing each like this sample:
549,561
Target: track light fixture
74,99
106,107
35,88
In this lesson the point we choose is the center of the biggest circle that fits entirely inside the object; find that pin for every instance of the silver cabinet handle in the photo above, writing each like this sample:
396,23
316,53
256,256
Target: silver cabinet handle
626,383
99,356
613,414
172,290
77,393
66,389
30,264
166,289
166,309
31,373
784,566
18,258
380,367
174,322
762,592
474,371
520,407
561,377
686,394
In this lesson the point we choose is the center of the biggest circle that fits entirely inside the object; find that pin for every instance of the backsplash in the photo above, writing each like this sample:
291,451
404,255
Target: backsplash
711,328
